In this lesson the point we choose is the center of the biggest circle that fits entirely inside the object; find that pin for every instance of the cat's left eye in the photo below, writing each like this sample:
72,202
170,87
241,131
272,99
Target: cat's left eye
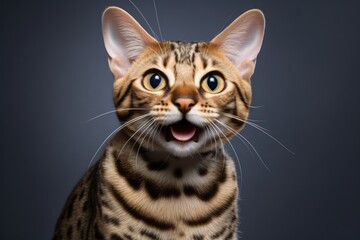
154,81
213,83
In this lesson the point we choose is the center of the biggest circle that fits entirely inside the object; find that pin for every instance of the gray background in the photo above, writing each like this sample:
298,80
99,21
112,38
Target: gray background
54,76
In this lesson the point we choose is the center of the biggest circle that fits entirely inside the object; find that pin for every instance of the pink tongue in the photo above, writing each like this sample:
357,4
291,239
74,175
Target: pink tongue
182,132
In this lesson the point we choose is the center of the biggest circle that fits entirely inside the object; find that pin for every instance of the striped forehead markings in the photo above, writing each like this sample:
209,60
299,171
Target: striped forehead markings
184,52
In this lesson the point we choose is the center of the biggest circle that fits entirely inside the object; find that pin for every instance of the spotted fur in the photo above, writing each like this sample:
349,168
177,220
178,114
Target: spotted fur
149,185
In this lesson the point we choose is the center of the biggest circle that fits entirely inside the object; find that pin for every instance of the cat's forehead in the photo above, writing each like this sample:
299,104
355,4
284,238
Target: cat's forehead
181,61
184,51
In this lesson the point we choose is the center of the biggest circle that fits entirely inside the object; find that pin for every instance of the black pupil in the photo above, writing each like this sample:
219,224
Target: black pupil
155,80
212,82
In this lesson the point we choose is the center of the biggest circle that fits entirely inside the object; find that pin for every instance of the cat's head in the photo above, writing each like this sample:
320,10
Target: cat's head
182,97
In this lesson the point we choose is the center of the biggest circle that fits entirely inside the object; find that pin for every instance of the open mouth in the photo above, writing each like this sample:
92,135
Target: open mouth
182,131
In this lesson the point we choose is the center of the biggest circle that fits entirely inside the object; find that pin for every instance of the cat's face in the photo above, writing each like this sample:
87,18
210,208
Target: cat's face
182,97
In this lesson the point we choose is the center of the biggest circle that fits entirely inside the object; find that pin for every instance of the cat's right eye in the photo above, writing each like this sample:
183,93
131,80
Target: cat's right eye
154,81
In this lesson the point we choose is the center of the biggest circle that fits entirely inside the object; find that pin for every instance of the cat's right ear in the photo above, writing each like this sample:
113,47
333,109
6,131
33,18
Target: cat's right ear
124,39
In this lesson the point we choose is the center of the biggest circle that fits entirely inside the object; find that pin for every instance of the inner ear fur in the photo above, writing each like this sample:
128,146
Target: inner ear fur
241,41
124,39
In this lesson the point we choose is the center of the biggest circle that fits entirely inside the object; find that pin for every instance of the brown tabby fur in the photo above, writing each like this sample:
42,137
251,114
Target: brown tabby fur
140,189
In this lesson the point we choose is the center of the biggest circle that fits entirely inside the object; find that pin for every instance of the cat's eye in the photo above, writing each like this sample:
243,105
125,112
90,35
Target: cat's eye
154,81
213,83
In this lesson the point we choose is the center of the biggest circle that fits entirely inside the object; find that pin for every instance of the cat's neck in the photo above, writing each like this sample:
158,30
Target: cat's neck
143,162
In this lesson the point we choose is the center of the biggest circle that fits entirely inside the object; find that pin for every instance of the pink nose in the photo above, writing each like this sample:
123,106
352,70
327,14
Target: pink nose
184,104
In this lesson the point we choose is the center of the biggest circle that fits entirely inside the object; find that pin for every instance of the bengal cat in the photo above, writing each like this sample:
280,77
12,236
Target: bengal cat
165,174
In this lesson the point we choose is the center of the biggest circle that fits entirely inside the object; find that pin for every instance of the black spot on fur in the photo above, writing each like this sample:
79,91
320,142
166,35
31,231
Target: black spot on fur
106,204
176,57
149,234
197,49
222,175
215,213
204,62
241,96
151,221
219,233
69,232
114,236
156,191
128,237
157,166
229,236
112,220
178,173
85,206
82,193
98,234
172,47
165,61
203,194
202,171
198,237
133,179
78,224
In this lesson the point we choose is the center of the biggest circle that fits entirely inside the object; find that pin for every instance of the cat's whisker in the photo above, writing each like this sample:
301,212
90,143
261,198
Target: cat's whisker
232,147
149,135
255,107
115,131
127,141
144,132
213,138
112,111
212,141
147,23
152,136
158,22
151,131
102,144
242,138
254,125
261,129
236,135
218,135
247,120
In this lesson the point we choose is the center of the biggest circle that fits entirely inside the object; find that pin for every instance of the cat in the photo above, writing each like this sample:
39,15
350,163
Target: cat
165,174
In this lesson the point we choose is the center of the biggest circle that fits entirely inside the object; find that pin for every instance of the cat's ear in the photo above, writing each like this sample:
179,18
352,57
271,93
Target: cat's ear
241,41
124,39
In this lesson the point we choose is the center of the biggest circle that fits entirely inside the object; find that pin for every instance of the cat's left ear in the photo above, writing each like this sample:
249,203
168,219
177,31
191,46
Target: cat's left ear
241,41
124,39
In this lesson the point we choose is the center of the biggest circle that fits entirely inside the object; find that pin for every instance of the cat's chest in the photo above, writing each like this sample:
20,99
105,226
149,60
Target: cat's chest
171,200
221,227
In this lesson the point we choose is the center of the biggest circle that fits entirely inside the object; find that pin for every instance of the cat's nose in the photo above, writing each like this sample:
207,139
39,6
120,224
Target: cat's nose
184,104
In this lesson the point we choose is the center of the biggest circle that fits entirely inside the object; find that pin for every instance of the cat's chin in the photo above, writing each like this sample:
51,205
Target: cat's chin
180,148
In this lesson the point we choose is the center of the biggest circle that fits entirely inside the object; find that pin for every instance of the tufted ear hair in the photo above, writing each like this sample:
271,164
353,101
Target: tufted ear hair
124,39
241,41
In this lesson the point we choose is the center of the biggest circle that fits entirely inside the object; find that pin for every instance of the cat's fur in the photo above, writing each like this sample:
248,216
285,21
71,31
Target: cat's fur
165,174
